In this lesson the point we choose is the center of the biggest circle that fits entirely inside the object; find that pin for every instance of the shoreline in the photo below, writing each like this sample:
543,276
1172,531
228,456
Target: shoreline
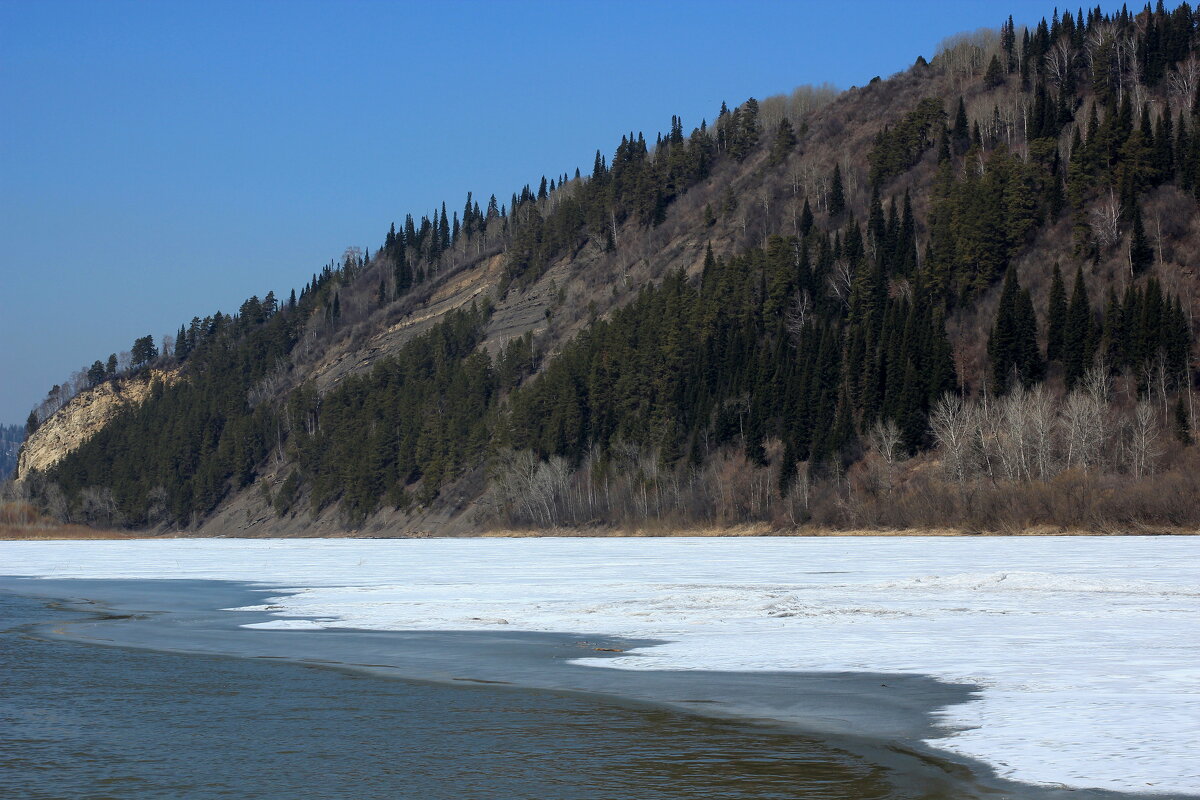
885,718
84,533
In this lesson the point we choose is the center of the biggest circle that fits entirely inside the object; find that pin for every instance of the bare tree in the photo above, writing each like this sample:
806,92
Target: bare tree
965,54
1082,430
799,495
841,280
987,433
799,314
1060,61
57,505
1014,444
98,507
1144,433
269,386
1041,414
1184,80
1099,36
884,438
1106,219
953,422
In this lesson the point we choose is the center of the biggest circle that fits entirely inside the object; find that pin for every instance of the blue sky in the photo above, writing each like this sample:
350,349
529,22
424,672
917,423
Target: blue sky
165,160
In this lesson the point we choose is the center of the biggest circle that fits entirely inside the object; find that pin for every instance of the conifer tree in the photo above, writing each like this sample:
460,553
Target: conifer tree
806,218
1141,254
961,133
995,74
785,141
1079,336
1013,346
95,373
1183,423
837,194
1056,316
401,274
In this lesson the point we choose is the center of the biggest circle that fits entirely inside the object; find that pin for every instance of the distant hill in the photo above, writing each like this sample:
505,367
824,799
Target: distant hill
962,296
11,437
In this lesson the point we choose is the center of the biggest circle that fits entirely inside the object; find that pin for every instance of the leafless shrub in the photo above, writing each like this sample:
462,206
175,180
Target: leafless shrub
98,508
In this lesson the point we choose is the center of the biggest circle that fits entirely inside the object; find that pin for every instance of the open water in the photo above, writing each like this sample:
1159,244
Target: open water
87,721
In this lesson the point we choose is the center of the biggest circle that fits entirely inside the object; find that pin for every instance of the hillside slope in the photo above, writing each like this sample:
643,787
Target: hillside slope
836,310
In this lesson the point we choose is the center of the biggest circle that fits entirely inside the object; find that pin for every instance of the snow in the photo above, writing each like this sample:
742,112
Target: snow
1087,649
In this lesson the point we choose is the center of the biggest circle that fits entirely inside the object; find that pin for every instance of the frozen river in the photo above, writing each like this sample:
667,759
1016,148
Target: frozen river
1083,651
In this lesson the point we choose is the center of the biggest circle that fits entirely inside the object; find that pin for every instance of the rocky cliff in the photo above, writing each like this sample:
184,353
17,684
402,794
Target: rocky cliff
85,416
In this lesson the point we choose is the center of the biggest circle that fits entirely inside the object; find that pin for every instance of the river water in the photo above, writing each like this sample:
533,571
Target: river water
79,720
146,689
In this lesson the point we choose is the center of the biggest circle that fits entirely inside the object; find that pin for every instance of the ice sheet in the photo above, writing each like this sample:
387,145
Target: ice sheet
1088,649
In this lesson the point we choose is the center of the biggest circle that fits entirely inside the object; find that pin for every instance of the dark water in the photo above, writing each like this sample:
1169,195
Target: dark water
85,721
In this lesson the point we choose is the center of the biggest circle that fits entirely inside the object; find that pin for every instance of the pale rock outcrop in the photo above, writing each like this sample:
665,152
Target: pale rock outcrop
83,417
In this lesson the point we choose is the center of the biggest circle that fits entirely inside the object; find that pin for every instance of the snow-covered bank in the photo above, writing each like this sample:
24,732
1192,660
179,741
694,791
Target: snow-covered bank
1087,648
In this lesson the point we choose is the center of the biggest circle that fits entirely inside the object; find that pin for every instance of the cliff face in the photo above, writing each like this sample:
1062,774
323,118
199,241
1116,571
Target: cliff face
85,416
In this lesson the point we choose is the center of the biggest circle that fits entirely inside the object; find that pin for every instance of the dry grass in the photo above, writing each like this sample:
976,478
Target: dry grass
66,533
20,521
763,529
649,531
83,533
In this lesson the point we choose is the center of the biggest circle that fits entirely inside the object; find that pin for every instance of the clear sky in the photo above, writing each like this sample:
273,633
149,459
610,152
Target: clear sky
165,160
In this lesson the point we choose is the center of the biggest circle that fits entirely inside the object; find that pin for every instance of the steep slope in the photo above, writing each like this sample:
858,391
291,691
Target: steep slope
87,414
828,268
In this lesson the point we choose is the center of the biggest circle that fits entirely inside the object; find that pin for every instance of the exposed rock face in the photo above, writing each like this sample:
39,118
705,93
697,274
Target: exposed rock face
84,417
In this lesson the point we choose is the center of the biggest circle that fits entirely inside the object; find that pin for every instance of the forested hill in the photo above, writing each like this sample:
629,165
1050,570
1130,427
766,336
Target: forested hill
962,296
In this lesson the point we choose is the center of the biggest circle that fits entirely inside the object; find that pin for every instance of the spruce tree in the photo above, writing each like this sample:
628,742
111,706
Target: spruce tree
785,142
1012,347
1183,423
1030,365
995,74
1141,254
806,218
95,373
1079,335
961,134
837,194
402,275
1056,316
